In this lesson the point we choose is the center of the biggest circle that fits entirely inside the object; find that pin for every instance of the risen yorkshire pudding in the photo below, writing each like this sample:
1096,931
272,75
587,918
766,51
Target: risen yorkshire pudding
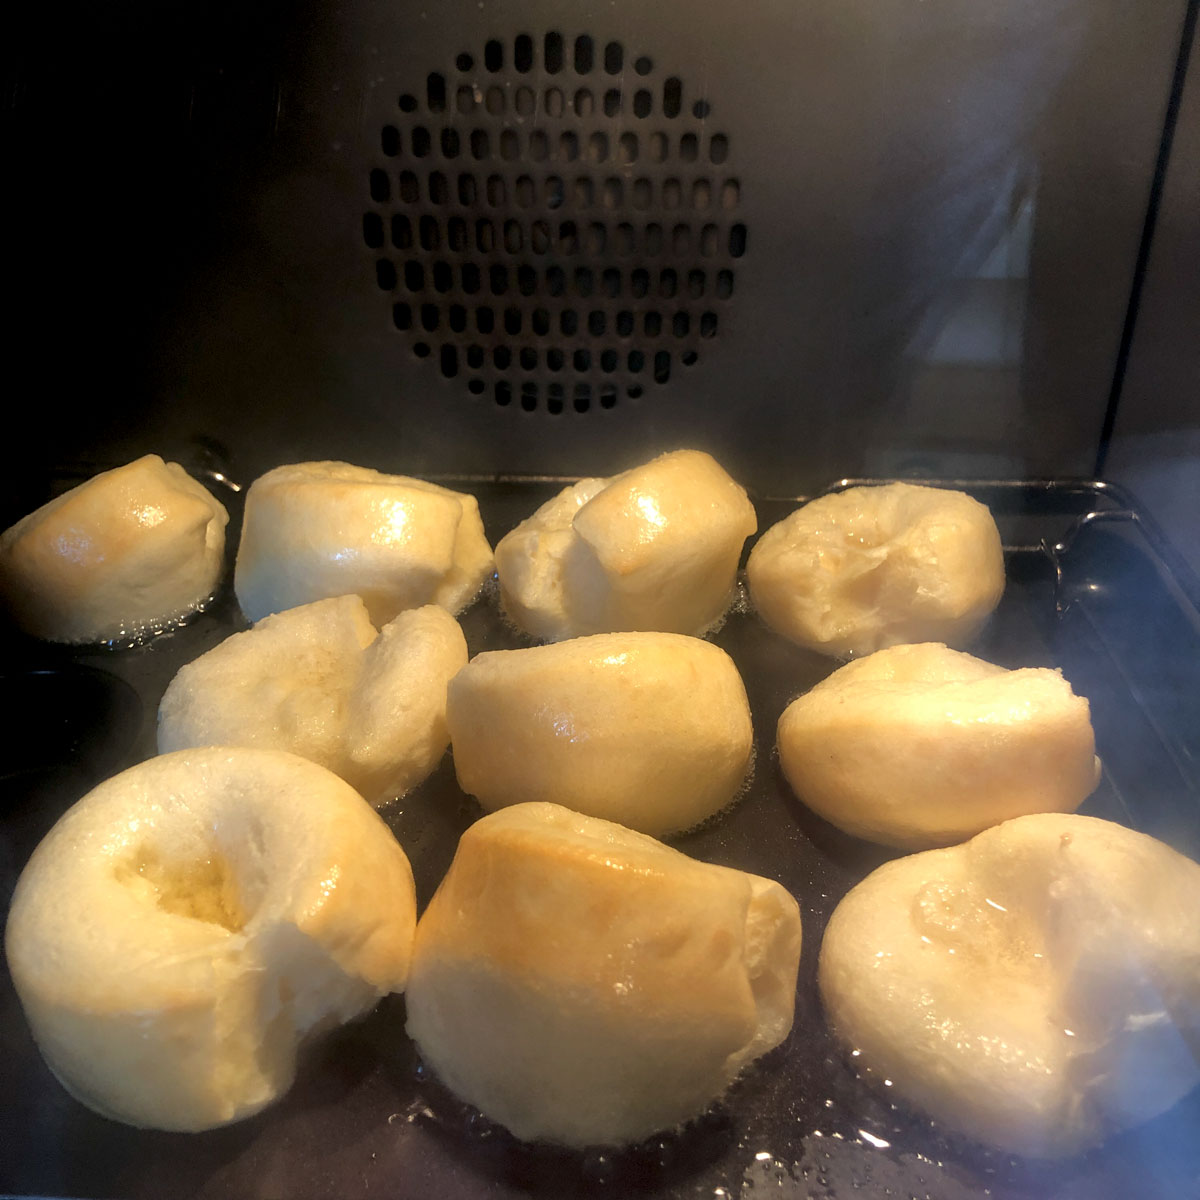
130,550
583,984
1037,987
187,923
320,529
651,730
919,746
319,681
855,571
656,547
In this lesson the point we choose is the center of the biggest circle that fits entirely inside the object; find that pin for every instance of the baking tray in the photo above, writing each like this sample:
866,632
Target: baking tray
1092,588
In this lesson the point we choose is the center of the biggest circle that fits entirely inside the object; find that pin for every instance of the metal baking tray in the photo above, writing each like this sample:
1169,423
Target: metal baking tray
1092,588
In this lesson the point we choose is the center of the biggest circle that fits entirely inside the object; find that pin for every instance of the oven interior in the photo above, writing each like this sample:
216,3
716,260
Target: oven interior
505,246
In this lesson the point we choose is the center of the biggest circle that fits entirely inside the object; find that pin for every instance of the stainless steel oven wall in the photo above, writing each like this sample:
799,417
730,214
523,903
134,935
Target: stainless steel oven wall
1155,448
819,238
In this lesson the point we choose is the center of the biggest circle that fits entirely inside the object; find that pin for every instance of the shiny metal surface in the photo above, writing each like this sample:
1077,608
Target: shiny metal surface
942,207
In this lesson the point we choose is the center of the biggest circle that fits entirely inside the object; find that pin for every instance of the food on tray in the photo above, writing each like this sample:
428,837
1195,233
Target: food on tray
187,923
129,551
855,571
320,529
583,984
651,730
656,547
317,680
1037,987
918,746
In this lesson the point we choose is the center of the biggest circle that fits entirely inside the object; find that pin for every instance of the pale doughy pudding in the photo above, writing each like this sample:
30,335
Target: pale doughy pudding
189,922
654,548
582,984
651,730
1037,988
919,746
856,571
319,681
321,529
126,552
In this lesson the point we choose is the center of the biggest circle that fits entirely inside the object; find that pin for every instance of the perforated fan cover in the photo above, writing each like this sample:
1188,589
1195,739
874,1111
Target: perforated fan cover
553,224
